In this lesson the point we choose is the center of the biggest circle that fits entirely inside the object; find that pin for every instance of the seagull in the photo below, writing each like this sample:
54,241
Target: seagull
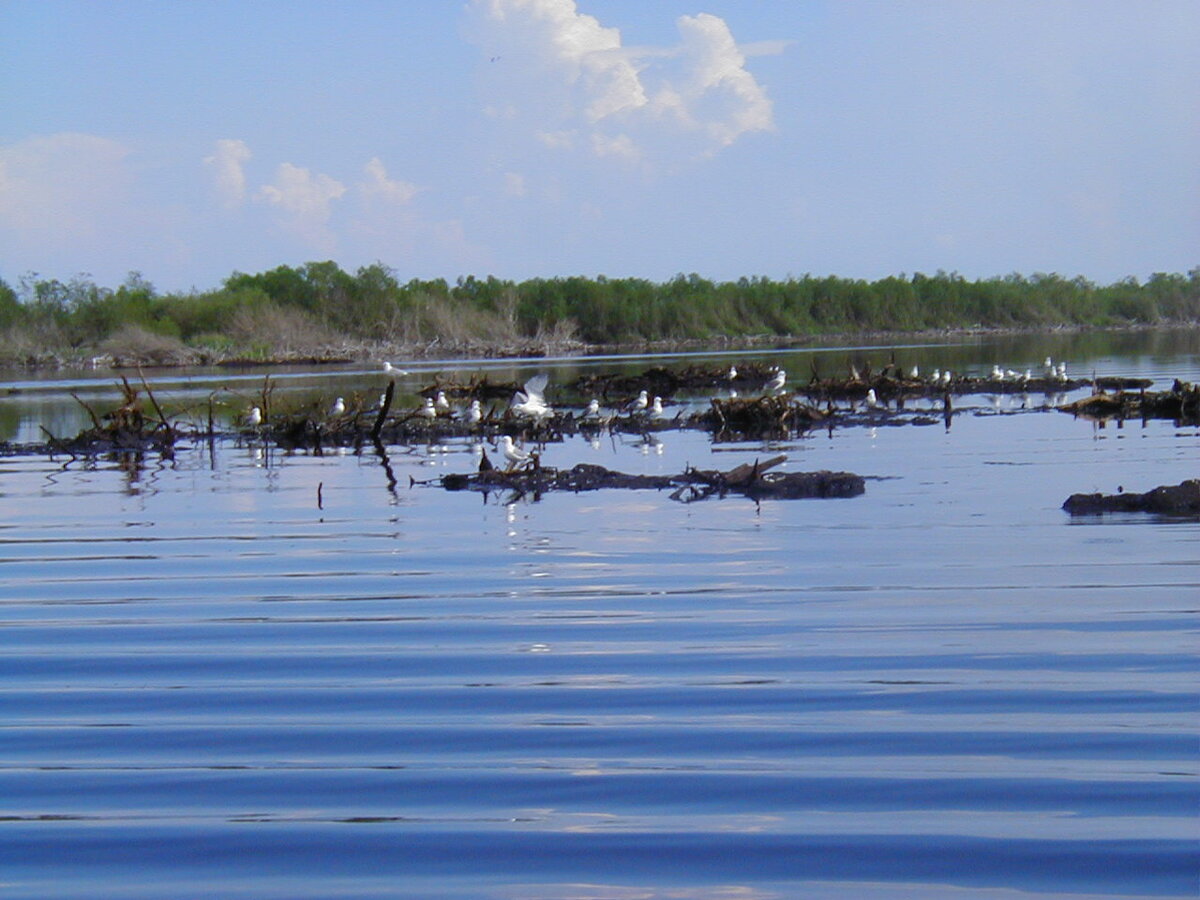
872,400
1048,365
656,406
593,409
777,382
338,408
254,417
937,375
392,370
441,402
642,401
1062,371
946,377
513,454
474,413
427,410
914,373
732,373
997,373
532,401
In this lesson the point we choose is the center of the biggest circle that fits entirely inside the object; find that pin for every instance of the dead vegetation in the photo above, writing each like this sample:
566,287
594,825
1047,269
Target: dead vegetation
753,480
1181,403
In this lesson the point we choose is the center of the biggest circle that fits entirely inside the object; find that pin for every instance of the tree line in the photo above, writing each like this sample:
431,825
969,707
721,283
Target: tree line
319,301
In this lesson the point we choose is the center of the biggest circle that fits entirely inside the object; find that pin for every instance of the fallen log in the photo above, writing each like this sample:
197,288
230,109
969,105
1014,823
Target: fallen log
1181,403
1170,500
750,480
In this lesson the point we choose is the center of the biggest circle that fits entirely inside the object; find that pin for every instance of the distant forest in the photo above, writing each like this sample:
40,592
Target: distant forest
318,306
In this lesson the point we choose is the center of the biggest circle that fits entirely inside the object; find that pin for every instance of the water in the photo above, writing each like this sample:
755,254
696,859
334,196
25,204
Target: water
209,686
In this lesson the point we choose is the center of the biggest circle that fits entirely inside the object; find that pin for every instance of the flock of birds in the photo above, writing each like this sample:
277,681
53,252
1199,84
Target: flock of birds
530,402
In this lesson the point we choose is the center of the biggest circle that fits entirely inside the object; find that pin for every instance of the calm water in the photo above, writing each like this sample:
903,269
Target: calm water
209,686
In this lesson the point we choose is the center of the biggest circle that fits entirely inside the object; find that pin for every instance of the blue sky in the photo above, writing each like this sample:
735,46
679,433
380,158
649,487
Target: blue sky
537,138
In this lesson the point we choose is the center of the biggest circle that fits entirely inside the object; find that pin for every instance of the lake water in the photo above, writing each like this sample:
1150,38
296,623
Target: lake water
210,686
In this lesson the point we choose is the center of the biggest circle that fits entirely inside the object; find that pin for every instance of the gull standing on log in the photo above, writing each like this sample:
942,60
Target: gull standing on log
513,454
777,381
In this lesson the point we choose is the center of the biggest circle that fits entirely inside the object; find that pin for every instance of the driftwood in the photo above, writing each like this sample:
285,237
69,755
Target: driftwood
126,429
750,479
1181,403
760,415
1170,500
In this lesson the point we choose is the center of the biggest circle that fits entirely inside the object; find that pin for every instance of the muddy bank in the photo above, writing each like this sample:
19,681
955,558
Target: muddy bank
1169,500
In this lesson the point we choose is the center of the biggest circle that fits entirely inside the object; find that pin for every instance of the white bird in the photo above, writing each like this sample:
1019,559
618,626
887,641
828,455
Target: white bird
532,401
254,417
593,409
914,372
1062,371
428,410
392,370
338,408
997,373
732,373
656,406
946,377
937,374
474,412
777,381
513,454
872,401
441,402
642,401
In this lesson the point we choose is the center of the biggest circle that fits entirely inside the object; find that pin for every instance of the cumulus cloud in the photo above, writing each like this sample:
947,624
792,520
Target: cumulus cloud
379,186
229,176
61,187
567,73
305,203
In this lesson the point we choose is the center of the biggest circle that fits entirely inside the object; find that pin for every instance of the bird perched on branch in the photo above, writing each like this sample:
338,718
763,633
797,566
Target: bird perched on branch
512,453
778,380
474,413
428,411
254,417
338,408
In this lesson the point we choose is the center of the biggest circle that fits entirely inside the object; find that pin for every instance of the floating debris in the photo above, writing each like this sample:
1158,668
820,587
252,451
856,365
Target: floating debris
1181,403
752,480
1169,500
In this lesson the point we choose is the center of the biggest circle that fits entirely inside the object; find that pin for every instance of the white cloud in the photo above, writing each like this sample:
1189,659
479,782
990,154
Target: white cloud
718,90
620,146
228,175
61,187
379,186
514,184
556,140
305,203
565,71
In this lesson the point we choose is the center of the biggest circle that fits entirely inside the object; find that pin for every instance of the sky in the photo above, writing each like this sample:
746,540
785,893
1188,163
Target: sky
624,138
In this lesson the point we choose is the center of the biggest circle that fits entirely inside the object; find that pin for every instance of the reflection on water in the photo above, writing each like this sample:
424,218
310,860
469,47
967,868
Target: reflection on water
248,673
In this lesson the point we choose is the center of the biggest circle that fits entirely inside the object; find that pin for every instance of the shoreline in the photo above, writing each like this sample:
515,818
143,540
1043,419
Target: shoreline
535,348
